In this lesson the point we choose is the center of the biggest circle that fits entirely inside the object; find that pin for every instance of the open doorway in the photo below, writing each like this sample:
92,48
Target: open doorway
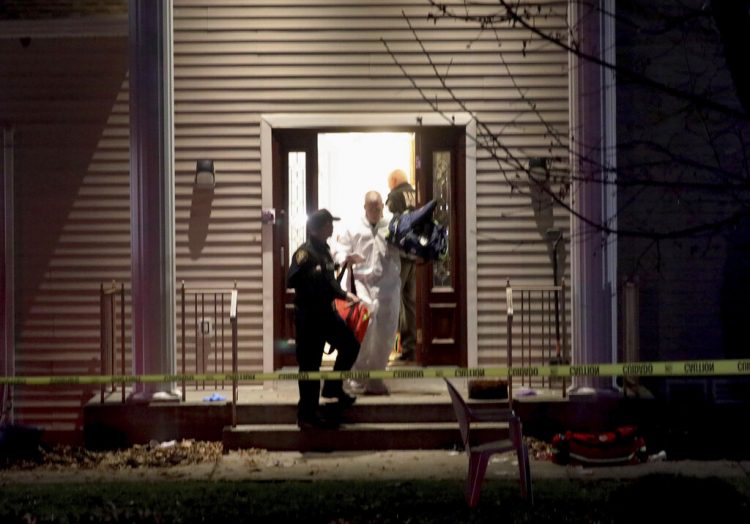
317,168
352,164
349,165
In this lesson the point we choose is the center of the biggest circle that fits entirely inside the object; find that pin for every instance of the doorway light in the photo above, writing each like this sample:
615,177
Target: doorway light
351,164
205,177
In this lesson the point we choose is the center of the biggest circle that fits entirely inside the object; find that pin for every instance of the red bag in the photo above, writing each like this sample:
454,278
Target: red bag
622,446
356,315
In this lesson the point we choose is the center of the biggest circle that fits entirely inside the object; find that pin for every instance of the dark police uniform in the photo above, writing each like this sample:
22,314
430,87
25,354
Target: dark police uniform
311,274
403,198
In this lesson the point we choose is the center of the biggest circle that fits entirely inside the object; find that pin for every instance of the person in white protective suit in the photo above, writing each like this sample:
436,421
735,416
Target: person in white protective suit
377,276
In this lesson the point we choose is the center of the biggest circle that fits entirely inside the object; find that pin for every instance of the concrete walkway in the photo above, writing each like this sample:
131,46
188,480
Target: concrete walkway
259,465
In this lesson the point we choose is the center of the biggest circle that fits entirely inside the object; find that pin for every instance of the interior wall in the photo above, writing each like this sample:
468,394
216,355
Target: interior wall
351,164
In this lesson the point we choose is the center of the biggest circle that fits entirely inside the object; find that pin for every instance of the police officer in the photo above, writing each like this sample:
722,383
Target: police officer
403,198
311,274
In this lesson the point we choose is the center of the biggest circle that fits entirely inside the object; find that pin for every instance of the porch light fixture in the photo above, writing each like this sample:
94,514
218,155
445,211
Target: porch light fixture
204,174
538,165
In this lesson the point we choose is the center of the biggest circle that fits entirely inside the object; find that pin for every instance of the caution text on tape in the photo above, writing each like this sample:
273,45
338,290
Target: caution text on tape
642,369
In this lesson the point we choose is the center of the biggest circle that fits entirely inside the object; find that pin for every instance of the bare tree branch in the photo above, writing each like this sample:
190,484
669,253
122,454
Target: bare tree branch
623,73
490,142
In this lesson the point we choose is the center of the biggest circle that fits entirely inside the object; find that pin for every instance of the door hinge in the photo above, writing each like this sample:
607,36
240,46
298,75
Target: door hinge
419,336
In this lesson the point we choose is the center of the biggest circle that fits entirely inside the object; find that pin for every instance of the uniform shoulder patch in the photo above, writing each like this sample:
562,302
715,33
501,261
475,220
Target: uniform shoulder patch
301,257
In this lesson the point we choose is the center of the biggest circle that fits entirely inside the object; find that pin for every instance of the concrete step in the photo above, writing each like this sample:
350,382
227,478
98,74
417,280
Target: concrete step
358,413
357,437
364,411
115,425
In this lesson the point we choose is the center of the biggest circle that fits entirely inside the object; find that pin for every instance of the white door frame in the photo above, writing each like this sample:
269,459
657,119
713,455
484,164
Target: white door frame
354,120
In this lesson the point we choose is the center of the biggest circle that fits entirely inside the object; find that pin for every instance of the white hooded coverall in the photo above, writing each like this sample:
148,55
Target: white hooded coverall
378,282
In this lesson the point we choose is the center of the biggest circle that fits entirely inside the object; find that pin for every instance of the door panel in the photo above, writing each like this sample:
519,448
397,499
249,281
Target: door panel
295,194
441,297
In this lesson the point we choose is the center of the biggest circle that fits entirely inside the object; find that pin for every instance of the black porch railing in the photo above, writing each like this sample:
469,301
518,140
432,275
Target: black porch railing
235,367
207,335
204,313
540,312
110,309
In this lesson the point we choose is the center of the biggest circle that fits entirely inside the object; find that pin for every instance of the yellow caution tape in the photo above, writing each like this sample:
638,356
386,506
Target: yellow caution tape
642,369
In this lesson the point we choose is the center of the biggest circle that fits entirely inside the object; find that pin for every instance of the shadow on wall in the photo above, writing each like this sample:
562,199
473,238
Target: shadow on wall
543,206
70,160
67,101
200,215
735,293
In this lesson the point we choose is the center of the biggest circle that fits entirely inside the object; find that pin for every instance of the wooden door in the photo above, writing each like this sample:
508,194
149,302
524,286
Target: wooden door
295,195
441,285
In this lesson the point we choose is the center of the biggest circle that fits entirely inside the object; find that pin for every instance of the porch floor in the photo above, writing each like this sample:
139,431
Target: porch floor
402,391
417,414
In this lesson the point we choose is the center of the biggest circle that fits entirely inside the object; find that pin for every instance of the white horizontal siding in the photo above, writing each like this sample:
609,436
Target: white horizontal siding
66,99
236,60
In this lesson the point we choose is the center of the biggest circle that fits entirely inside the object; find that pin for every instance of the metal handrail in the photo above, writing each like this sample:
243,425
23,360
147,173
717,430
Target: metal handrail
233,322
108,336
543,296
201,312
509,345
108,315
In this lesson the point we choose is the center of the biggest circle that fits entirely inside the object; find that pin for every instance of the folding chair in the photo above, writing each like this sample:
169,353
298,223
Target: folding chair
479,453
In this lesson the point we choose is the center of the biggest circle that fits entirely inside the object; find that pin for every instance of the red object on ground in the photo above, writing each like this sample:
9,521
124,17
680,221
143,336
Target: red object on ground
621,446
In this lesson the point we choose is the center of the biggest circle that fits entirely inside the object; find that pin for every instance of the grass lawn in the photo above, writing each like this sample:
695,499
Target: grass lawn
646,499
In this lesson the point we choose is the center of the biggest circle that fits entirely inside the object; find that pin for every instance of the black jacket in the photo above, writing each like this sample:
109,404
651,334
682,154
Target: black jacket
401,198
311,274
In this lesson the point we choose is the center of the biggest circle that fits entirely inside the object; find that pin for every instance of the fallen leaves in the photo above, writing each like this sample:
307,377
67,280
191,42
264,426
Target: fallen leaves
152,455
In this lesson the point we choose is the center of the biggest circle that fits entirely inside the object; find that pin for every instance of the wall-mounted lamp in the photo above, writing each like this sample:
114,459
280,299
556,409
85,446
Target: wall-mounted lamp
538,165
204,174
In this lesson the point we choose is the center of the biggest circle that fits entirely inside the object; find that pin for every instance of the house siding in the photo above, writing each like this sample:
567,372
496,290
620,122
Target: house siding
235,61
66,100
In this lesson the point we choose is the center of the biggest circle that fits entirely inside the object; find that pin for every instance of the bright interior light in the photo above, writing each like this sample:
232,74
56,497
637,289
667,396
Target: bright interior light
350,164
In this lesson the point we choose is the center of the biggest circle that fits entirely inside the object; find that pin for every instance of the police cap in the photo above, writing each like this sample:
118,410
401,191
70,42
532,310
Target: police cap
319,218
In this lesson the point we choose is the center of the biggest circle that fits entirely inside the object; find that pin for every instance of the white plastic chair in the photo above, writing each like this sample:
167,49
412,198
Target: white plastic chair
479,454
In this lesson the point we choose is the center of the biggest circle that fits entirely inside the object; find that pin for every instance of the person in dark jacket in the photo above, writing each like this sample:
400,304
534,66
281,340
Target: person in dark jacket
403,198
311,274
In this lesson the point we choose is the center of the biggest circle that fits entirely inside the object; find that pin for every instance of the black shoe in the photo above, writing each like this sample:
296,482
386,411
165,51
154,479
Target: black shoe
406,357
307,423
343,400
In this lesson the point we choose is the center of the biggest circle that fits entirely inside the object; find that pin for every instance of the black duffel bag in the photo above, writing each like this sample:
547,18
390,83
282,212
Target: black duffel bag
418,235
